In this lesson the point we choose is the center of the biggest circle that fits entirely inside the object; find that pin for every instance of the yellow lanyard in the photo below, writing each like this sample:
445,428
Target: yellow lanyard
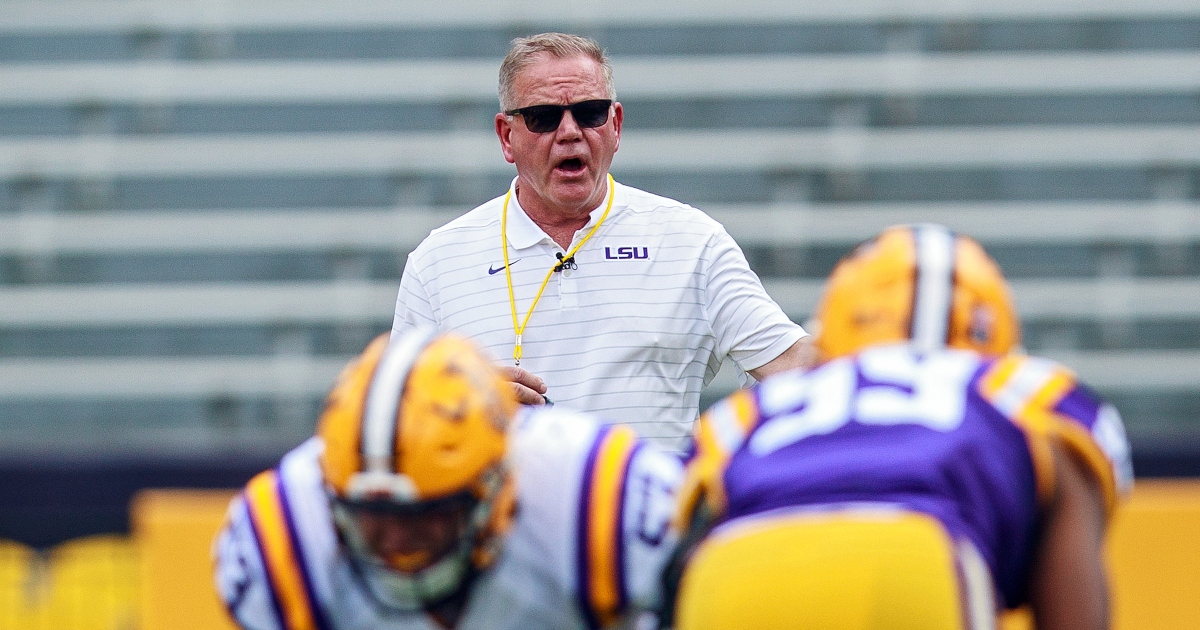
512,300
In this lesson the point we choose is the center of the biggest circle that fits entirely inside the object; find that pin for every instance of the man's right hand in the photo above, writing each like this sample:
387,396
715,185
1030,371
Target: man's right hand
530,389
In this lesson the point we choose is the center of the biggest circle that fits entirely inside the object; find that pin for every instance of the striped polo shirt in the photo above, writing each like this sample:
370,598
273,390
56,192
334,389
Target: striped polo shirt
657,299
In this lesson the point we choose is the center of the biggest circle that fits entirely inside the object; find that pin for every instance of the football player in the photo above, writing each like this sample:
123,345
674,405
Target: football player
925,475
428,499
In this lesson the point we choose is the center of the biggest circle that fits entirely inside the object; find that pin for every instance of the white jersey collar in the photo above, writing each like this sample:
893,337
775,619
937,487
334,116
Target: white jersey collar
523,232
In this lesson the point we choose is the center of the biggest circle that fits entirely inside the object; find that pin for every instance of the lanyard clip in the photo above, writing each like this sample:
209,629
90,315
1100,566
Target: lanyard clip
565,263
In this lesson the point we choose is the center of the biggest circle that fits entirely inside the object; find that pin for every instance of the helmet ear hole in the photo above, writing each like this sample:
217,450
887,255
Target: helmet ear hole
984,318
982,324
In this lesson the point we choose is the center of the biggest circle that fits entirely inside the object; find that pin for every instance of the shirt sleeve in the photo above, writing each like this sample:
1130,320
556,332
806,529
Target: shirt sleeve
1093,428
593,534
749,326
414,309
240,578
653,482
624,540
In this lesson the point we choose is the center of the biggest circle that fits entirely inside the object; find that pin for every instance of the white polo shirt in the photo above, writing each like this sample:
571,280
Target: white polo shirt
660,297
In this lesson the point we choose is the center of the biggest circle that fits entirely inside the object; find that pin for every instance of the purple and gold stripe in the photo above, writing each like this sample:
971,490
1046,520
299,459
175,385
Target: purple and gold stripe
600,553
1029,392
720,432
283,560
1026,390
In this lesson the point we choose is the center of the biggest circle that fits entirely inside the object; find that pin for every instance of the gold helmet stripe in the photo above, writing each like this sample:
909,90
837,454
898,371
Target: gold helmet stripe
380,423
934,287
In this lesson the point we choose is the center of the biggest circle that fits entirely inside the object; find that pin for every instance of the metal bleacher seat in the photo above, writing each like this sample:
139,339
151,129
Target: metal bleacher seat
205,207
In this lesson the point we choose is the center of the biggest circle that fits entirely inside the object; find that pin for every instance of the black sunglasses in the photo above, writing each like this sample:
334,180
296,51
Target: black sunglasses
544,118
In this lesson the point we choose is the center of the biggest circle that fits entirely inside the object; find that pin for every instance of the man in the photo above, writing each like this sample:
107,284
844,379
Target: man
428,500
598,295
923,476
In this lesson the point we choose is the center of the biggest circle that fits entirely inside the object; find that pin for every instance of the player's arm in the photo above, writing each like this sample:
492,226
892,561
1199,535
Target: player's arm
1069,590
653,483
1081,460
718,433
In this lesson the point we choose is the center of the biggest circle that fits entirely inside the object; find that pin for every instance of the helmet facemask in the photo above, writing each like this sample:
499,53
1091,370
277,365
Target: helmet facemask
411,556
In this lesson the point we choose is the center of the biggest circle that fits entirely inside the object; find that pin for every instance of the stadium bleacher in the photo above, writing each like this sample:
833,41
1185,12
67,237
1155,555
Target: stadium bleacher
205,207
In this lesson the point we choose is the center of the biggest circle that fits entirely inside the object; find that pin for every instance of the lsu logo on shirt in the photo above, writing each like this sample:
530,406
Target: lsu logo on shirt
626,253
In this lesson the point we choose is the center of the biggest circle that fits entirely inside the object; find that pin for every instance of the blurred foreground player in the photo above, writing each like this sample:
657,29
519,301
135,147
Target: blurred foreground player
429,500
924,476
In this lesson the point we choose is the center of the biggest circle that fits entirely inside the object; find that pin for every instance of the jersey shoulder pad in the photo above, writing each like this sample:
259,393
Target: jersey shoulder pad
594,502
719,433
1049,404
546,448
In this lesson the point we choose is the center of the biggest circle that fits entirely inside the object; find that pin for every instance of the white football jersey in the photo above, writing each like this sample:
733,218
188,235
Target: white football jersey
587,544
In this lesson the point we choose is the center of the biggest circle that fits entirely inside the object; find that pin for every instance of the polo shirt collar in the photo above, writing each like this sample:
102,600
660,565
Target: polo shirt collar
523,232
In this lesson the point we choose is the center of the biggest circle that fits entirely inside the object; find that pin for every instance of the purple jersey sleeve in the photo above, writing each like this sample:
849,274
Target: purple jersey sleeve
1048,403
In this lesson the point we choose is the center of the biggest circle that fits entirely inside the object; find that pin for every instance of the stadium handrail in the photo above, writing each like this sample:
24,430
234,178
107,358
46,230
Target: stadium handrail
701,76
46,306
648,151
97,15
1136,371
401,228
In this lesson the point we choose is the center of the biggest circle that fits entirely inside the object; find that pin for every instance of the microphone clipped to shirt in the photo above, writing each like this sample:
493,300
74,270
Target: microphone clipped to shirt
565,263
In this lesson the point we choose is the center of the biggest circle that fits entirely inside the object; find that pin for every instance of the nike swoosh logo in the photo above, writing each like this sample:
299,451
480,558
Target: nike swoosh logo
492,272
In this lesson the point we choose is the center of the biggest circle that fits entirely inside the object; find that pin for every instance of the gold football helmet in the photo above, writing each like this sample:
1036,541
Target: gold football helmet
415,438
920,283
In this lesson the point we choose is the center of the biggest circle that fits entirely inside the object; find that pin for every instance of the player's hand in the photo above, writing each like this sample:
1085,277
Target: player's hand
530,388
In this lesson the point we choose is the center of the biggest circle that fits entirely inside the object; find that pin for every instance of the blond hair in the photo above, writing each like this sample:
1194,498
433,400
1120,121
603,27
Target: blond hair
559,45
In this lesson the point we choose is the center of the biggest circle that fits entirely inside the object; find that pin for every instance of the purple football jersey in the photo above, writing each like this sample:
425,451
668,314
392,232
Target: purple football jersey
950,434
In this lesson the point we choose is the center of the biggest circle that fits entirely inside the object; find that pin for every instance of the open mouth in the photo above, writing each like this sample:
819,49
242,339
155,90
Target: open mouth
571,165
